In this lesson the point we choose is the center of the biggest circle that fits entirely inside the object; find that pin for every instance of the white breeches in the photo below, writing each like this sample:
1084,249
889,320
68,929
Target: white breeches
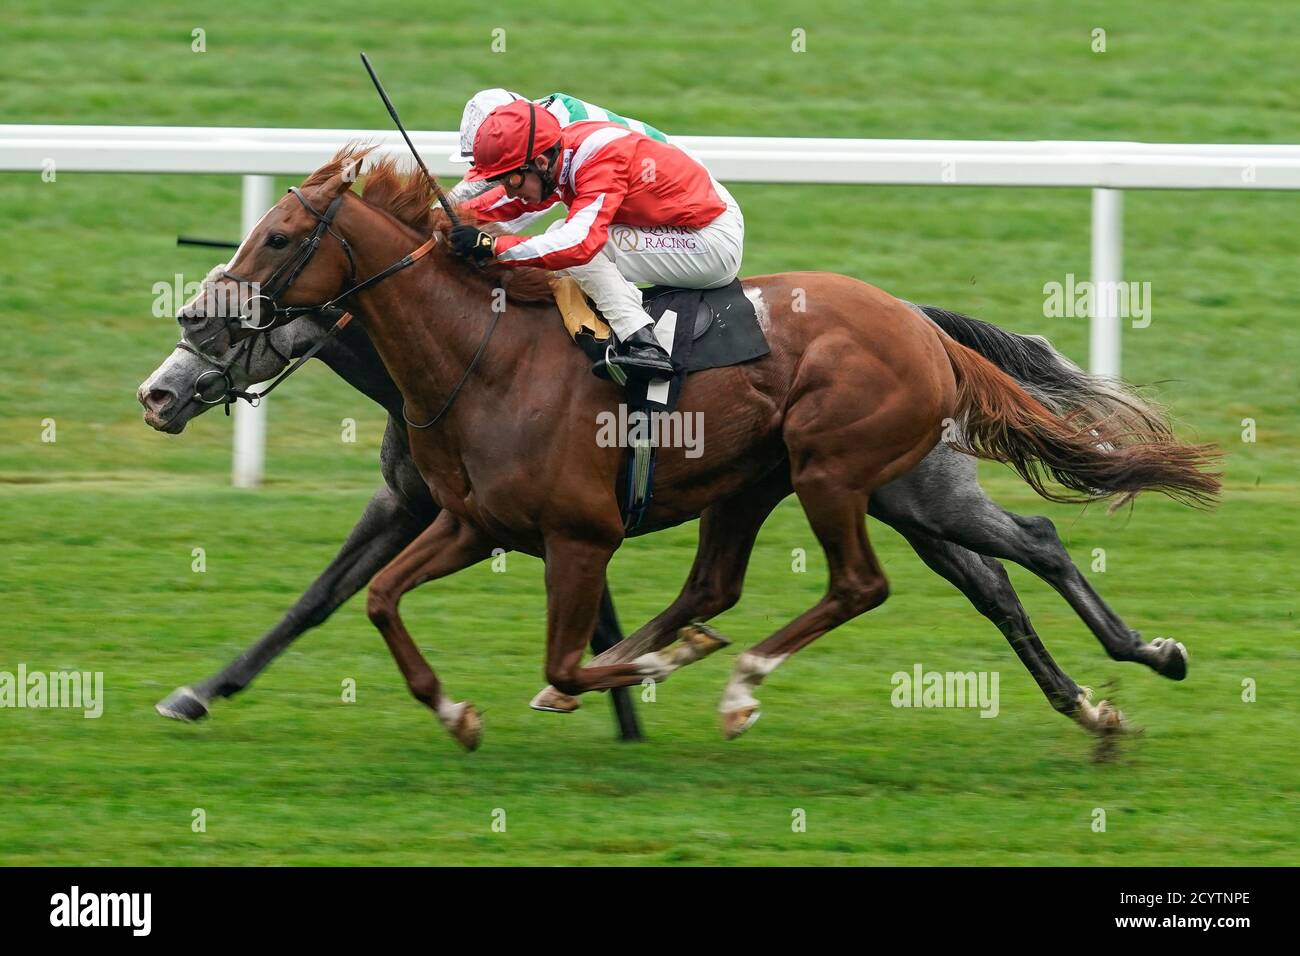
663,255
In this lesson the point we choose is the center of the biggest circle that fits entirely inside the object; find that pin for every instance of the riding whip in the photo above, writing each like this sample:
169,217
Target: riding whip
392,111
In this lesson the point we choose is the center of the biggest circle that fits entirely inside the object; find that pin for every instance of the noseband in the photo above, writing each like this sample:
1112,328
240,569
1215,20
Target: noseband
291,268
279,281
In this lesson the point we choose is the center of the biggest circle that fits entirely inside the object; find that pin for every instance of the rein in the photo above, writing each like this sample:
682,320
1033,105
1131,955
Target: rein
230,394
295,265
446,406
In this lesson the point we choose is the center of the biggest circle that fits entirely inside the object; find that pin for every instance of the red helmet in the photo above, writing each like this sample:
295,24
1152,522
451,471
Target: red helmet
510,137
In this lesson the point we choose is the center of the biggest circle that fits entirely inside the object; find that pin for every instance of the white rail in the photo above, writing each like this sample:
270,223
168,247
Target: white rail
1112,165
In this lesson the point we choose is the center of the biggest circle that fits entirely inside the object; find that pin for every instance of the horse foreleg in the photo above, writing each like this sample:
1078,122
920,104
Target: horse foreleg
574,571
445,547
608,633
728,530
385,528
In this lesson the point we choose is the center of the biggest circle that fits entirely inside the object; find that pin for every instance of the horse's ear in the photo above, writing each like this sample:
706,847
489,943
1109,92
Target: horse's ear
349,172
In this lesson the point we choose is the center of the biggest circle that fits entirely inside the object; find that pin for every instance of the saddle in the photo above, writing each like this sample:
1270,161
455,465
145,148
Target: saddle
723,330
724,326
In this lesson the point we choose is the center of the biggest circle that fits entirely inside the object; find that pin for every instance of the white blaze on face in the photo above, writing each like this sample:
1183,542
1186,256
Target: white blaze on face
243,242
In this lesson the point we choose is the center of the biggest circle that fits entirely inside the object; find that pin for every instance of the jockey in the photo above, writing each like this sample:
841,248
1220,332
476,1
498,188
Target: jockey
567,109
639,210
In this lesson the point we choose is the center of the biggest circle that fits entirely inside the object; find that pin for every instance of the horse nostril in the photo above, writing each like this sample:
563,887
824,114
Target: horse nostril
157,399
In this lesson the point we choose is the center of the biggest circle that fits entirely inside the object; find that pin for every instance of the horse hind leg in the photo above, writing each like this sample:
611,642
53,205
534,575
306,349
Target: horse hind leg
943,497
857,584
850,428
985,584
1042,552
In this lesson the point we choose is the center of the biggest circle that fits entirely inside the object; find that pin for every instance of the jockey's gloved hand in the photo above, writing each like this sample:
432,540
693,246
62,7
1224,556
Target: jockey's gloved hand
472,243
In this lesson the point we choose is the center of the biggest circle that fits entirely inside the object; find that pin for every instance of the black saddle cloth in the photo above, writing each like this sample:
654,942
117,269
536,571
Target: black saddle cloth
724,329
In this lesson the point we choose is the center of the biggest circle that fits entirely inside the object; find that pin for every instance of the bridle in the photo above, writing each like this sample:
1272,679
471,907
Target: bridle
294,267
279,281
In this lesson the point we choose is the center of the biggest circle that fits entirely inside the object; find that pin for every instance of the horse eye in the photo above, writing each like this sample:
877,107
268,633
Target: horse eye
277,240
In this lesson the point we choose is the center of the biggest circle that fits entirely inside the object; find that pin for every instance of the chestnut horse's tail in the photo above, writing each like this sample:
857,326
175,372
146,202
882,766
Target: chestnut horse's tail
1095,458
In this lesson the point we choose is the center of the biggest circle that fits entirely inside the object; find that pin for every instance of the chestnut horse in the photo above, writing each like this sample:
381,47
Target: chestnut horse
503,425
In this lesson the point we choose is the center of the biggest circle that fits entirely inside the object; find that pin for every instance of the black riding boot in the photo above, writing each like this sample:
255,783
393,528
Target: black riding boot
641,356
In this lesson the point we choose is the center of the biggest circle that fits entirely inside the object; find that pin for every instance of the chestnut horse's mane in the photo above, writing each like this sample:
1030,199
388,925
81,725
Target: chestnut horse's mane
411,200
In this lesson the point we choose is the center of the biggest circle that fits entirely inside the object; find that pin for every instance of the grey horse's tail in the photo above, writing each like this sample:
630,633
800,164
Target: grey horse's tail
1060,385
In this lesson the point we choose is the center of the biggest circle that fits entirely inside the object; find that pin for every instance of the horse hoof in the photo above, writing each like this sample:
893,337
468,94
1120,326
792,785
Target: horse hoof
1172,662
1104,720
182,704
553,701
694,642
1109,719
469,728
702,640
736,722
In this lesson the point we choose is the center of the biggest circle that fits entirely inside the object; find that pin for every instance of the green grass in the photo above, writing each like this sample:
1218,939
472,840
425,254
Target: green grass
98,527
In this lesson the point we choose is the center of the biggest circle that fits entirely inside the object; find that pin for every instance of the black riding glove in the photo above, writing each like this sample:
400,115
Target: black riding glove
469,242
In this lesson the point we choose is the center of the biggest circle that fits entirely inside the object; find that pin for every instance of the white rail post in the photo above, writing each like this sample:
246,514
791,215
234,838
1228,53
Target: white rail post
1107,270
250,422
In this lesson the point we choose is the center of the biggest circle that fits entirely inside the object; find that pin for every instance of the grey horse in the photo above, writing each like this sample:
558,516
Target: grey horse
397,512
938,507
